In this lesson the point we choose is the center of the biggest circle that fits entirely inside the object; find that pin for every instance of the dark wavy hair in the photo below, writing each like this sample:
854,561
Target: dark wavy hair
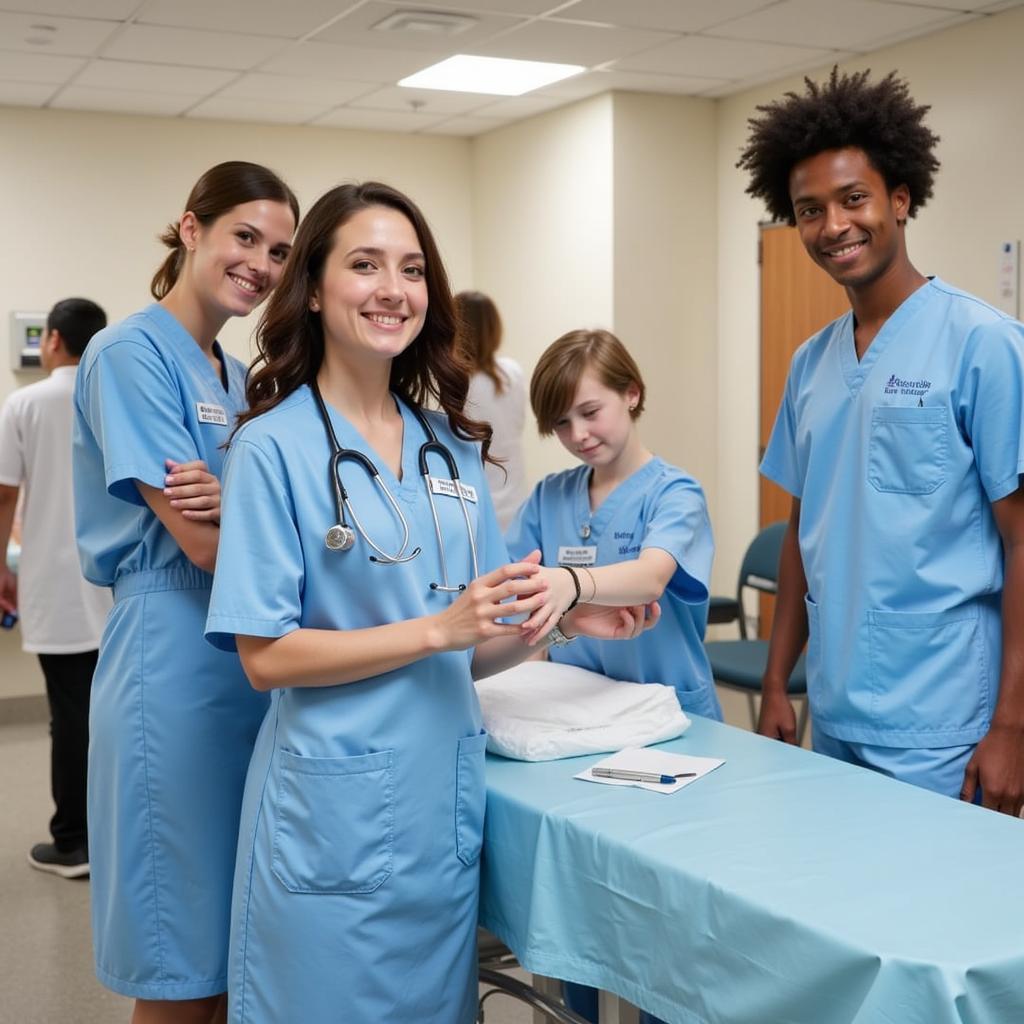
290,337
480,335
219,190
879,118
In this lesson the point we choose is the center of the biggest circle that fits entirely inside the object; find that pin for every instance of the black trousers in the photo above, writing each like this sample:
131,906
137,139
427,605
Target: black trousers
68,683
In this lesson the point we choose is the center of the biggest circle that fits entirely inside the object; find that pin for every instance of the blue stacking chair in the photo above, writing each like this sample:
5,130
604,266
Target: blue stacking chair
740,664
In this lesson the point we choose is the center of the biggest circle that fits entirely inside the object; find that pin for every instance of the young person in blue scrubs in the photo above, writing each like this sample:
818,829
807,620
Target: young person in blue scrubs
356,888
630,527
172,721
901,439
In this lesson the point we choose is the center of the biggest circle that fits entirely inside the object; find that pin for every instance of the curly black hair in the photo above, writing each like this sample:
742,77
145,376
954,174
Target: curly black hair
848,110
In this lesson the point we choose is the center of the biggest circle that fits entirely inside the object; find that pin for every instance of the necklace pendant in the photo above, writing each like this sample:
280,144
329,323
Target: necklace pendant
585,531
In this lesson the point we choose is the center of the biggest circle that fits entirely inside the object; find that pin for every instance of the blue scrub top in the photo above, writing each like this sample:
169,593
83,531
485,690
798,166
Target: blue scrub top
363,815
896,460
659,506
145,392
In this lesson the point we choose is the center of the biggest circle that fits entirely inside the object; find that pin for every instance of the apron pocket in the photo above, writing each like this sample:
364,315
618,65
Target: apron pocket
907,453
927,669
470,798
335,822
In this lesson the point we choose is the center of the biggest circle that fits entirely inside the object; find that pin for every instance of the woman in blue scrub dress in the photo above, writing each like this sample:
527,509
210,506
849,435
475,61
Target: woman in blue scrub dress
357,877
630,528
172,721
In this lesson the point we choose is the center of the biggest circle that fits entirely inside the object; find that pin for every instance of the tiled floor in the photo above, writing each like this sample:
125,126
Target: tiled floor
45,958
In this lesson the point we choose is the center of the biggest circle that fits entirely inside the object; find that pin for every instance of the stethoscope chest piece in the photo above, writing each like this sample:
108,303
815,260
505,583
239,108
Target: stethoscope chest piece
340,538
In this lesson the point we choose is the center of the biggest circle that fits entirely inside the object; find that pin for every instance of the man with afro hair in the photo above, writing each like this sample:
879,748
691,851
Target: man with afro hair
901,439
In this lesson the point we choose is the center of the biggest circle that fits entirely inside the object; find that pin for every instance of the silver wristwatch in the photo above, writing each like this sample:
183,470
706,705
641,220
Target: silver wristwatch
557,638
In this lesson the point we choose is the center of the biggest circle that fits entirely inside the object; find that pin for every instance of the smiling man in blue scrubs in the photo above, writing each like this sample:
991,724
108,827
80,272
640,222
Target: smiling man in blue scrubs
901,439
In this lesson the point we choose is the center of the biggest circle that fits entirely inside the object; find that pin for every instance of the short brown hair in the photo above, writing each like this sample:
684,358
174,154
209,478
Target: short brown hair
558,372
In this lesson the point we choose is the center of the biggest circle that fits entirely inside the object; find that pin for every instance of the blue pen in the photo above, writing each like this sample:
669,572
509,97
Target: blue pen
630,776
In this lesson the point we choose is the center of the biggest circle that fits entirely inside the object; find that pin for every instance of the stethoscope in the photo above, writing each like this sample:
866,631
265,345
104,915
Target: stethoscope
341,536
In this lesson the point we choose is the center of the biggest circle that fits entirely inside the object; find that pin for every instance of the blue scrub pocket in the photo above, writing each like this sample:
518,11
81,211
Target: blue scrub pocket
335,822
470,798
908,449
928,670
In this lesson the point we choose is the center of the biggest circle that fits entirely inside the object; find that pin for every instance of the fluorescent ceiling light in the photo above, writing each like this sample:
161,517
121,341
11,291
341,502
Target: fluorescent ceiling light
497,75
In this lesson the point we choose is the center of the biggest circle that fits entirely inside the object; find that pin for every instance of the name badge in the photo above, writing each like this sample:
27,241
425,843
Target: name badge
577,555
441,486
212,414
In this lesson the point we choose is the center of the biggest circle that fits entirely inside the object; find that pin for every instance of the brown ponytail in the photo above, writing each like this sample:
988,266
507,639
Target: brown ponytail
220,189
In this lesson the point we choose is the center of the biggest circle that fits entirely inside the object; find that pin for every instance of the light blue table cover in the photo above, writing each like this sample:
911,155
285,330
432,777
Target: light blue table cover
783,888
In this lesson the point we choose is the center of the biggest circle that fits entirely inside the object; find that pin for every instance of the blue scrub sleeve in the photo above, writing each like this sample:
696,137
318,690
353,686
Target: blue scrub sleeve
780,463
679,524
257,585
134,409
524,534
991,404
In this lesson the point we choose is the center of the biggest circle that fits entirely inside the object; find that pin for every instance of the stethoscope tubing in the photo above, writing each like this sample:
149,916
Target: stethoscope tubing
341,537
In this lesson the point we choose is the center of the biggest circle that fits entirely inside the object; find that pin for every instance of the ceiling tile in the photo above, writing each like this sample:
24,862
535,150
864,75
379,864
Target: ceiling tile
257,17
838,24
37,67
466,126
77,36
377,120
291,88
110,10
439,102
952,5
356,29
25,94
355,64
162,78
570,43
667,15
708,57
516,7
638,81
187,46
514,107
767,77
79,97
223,108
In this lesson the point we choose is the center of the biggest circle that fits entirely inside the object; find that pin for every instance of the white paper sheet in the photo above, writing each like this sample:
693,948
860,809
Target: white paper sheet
644,759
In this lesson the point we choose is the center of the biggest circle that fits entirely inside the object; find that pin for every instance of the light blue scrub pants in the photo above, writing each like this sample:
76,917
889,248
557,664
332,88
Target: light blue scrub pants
940,769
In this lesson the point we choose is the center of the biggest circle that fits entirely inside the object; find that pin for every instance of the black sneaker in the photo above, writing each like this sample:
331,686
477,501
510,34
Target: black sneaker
73,864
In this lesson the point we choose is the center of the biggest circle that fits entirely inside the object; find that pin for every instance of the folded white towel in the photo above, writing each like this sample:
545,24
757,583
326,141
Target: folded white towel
542,710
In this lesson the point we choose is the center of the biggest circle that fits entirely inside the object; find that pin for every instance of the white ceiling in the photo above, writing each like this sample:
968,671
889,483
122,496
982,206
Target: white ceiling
324,61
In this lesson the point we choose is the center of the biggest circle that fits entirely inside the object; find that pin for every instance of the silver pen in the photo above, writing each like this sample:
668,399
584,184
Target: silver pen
625,775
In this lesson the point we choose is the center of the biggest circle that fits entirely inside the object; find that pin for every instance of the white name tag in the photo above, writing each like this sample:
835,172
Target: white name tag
211,414
577,555
441,486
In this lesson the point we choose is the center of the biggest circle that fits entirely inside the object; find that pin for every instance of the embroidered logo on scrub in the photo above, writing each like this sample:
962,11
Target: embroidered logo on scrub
209,413
897,385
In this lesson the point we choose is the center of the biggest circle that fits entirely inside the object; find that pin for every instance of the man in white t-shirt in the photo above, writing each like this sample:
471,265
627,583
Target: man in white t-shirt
62,616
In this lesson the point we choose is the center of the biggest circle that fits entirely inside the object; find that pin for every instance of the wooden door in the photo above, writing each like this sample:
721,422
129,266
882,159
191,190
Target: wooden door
797,299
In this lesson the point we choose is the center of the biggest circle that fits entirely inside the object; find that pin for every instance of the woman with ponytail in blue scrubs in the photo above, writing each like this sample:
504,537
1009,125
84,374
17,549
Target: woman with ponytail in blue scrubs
172,721
357,879
623,526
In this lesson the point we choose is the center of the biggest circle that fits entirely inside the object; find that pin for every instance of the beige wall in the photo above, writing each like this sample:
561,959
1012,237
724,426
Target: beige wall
543,205
665,269
971,77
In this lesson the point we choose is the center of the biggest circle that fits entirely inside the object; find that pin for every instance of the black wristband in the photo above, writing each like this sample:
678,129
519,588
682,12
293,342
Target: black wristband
576,583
